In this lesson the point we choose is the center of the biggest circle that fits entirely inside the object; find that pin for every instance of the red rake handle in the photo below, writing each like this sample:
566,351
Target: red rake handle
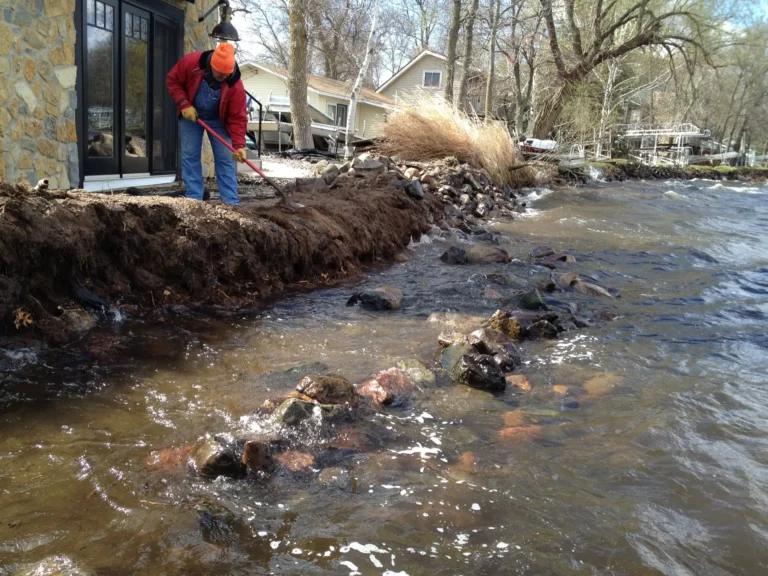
247,162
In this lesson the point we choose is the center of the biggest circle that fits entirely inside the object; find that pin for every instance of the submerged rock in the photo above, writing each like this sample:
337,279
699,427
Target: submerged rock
378,299
518,381
327,389
417,371
387,387
455,255
451,355
591,289
540,330
533,300
296,461
485,254
542,251
451,338
479,371
255,456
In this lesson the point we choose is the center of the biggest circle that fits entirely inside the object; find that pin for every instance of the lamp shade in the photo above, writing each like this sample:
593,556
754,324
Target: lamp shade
224,30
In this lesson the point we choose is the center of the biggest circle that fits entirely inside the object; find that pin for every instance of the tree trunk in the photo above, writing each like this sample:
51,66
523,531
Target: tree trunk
297,76
469,33
453,39
548,111
494,8
605,111
352,116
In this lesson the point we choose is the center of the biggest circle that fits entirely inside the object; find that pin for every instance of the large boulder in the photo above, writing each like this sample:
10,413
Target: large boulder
327,389
382,298
485,254
387,387
479,371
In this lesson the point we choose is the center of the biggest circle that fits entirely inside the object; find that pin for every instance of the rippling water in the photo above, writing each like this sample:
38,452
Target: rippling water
660,470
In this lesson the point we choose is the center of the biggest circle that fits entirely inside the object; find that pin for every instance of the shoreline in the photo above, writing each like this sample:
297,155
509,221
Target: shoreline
72,259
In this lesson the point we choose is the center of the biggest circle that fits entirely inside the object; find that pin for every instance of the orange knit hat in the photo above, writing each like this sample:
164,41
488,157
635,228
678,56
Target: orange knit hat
223,58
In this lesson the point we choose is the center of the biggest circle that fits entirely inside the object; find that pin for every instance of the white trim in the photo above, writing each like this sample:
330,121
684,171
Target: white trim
424,79
315,90
407,66
115,182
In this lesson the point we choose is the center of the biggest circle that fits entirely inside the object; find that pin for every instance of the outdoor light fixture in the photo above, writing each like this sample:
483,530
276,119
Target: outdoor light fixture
224,30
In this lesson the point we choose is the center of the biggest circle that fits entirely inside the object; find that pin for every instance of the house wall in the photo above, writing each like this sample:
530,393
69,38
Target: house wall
413,78
38,93
262,83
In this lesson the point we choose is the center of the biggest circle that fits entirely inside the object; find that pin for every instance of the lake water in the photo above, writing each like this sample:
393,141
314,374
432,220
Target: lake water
662,468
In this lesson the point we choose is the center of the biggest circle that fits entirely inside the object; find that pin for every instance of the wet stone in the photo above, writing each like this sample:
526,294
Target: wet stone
387,387
542,251
505,322
378,299
484,254
541,330
453,354
455,255
414,189
327,389
417,371
533,300
451,338
211,459
480,372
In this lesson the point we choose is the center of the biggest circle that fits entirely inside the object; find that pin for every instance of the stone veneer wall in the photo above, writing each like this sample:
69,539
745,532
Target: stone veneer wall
38,99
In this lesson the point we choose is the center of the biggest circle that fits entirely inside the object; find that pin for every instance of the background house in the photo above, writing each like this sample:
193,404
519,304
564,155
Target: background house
329,97
427,71
82,89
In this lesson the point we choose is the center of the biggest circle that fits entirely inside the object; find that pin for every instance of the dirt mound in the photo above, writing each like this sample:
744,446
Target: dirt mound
60,250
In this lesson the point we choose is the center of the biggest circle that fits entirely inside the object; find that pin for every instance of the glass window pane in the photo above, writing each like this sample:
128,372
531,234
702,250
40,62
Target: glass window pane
91,12
144,26
128,24
99,14
136,73
100,92
110,18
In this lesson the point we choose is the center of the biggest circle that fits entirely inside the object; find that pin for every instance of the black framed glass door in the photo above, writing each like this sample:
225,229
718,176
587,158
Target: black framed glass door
129,119
100,79
135,82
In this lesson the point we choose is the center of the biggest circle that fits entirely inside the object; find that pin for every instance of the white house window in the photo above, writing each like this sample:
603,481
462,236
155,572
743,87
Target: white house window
332,111
432,79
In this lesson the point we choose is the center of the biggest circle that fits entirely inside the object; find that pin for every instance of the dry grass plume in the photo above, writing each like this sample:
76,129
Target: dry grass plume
425,127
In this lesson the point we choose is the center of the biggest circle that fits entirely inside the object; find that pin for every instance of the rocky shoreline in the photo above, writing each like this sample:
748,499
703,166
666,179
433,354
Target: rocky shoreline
72,259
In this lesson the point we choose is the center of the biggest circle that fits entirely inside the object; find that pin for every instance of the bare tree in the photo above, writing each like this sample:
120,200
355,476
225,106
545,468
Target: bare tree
352,120
494,12
466,63
297,75
453,39
670,25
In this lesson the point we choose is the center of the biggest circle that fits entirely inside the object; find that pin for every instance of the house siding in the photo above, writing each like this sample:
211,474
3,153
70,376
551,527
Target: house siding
413,79
262,83
39,91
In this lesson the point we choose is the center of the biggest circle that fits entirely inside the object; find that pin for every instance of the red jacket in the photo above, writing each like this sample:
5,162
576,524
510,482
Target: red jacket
184,80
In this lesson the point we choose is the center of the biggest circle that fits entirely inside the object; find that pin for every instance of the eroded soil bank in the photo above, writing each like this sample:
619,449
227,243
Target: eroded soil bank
61,252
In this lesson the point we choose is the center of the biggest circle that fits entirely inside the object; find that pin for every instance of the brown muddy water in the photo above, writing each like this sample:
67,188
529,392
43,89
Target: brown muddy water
660,470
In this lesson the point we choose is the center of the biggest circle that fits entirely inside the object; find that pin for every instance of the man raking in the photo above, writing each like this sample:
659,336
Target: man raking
207,85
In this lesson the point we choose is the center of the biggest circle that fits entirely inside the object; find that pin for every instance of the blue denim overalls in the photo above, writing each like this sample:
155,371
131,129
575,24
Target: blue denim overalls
206,103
